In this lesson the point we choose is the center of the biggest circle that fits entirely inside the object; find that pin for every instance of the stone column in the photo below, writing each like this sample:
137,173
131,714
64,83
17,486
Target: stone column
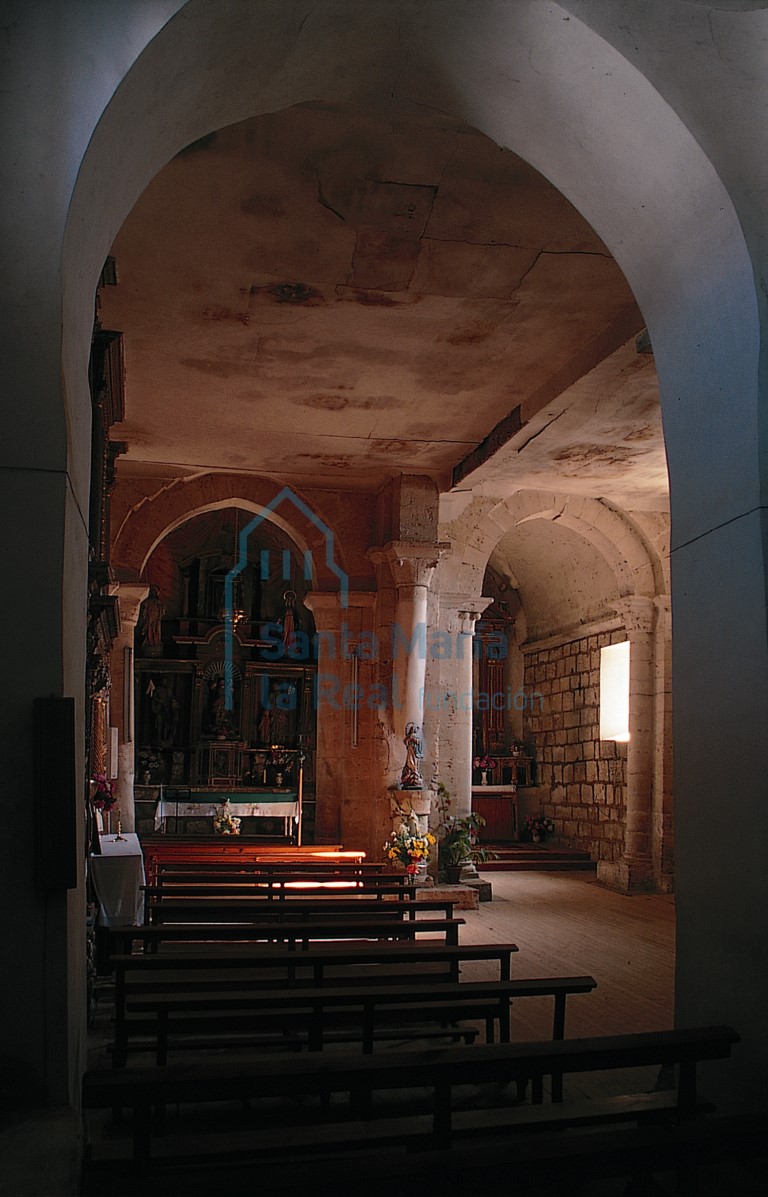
634,871
408,568
130,597
454,699
455,702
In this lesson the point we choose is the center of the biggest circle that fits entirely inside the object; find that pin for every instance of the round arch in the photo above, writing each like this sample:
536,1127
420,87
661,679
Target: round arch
484,523
147,524
592,134
537,80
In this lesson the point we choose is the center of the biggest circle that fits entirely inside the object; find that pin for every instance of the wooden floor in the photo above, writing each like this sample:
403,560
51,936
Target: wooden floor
563,924
566,924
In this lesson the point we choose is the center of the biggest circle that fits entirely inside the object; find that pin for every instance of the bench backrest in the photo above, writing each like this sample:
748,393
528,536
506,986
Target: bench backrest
437,1068
199,908
292,931
217,957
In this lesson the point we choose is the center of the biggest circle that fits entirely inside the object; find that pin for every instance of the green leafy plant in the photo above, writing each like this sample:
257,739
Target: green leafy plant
458,836
459,843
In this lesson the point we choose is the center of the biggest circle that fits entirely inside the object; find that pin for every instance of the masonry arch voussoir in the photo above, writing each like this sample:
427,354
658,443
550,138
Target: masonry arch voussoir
483,525
151,520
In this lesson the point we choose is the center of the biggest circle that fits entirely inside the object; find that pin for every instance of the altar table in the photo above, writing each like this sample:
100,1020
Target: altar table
498,806
118,875
262,805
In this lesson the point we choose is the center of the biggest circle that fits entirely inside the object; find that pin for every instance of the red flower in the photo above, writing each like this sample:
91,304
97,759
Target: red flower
103,796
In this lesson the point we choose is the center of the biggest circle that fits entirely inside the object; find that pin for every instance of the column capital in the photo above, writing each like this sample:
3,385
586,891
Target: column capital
637,612
326,606
130,596
463,610
408,563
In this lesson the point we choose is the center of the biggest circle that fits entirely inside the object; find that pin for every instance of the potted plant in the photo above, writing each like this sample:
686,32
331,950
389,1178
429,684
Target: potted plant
459,845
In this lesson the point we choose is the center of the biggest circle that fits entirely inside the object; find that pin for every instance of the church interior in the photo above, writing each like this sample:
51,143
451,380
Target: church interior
384,495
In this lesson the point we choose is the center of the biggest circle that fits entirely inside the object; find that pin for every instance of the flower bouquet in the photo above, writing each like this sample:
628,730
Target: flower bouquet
102,793
409,849
538,827
150,765
486,763
225,823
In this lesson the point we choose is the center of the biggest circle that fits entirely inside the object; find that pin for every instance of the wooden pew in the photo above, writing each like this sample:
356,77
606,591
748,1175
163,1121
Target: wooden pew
224,864
280,891
348,1014
230,1019
204,908
437,1070
292,932
161,850
220,963
277,883
261,968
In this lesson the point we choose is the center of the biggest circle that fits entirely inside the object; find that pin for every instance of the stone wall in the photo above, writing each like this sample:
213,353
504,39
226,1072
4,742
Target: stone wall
582,779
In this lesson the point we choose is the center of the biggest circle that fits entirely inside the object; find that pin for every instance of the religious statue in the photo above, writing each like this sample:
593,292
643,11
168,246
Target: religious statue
219,720
411,778
276,716
289,621
165,710
150,623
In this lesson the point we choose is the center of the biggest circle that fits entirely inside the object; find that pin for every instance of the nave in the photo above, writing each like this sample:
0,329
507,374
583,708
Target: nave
562,925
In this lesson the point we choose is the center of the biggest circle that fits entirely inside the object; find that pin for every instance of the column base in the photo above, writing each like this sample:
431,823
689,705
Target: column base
482,888
470,877
628,875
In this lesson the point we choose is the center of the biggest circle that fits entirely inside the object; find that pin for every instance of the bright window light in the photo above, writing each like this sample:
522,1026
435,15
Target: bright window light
614,692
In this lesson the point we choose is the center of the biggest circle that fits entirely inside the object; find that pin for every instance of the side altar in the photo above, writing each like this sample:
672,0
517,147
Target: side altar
498,806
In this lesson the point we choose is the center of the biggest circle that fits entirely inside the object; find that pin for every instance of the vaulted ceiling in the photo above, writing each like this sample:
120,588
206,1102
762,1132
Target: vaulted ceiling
331,297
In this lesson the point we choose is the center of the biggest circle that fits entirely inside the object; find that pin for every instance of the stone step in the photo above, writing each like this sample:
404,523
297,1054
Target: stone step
542,866
545,857
466,897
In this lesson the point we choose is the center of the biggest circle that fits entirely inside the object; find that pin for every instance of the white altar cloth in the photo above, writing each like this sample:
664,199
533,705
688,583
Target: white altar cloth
118,875
201,810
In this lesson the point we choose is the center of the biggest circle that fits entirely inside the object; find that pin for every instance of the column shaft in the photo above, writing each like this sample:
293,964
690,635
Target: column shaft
122,700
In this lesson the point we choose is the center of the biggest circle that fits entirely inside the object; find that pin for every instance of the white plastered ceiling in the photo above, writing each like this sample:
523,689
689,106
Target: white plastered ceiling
324,294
